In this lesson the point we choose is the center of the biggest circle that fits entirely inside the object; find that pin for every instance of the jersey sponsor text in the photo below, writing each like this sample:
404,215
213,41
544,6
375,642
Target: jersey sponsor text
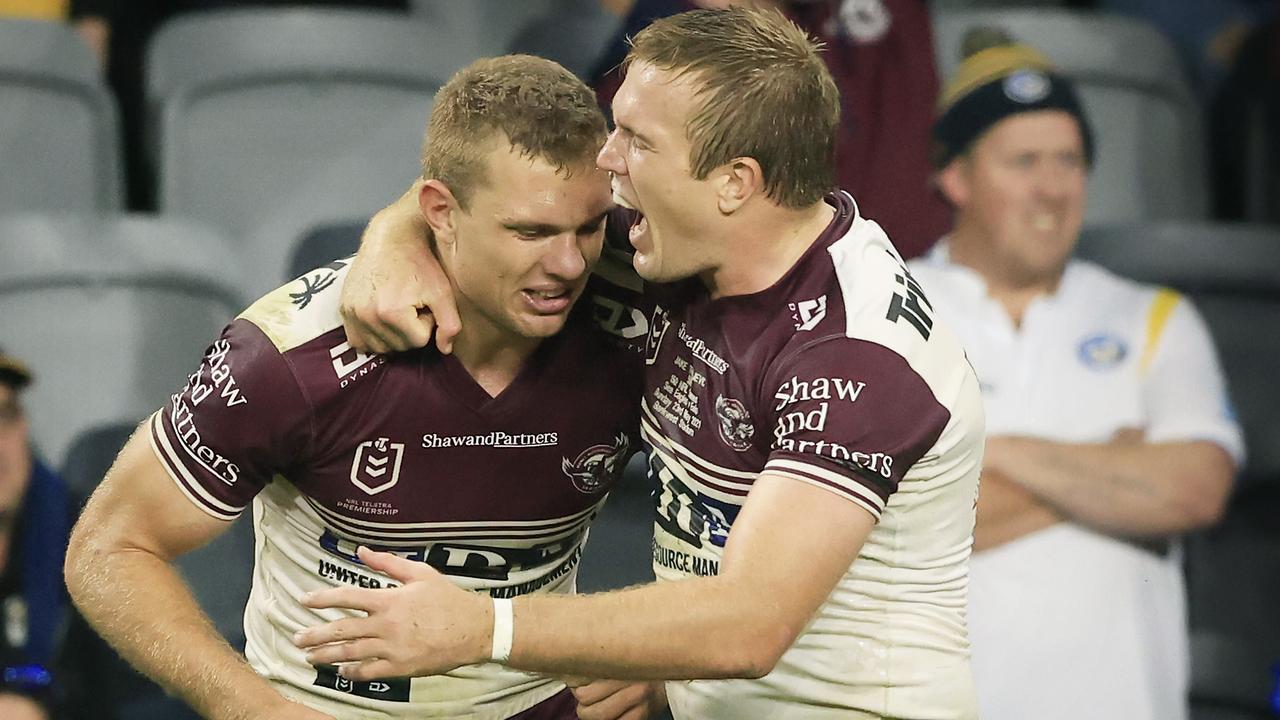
494,439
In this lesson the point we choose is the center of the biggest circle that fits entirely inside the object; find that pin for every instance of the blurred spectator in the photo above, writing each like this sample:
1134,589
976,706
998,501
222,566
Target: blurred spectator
1110,431
1244,132
881,54
34,524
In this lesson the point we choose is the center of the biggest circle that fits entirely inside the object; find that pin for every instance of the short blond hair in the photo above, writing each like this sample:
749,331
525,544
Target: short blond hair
766,94
536,105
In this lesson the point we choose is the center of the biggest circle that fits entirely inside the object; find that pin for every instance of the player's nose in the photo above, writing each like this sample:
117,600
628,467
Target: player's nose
610,156
565,258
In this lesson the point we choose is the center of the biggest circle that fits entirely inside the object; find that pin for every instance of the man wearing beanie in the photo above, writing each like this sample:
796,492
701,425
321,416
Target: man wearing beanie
1109,427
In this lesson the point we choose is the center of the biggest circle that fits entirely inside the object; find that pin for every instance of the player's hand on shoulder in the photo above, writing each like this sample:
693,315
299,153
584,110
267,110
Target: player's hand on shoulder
618,699
396,293
384,306
426,626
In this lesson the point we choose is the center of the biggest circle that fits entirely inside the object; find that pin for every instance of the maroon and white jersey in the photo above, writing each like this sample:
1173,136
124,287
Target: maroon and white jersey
405,453
838,376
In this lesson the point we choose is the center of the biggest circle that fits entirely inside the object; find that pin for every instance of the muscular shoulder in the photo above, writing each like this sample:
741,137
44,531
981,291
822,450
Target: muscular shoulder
301,310
875,302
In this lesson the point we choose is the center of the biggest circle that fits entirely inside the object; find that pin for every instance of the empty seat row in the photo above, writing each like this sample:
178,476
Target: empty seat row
112,314
267,122
59,130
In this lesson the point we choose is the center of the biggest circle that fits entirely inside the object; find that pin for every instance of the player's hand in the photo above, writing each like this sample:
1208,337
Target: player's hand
618,699
396,292
425,627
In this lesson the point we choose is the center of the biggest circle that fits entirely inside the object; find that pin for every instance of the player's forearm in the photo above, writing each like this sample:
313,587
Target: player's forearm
400,223
694,628
139,604
1136,490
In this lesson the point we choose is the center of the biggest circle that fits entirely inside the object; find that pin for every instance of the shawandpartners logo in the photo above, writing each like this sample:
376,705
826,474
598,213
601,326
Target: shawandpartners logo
496,439
702,351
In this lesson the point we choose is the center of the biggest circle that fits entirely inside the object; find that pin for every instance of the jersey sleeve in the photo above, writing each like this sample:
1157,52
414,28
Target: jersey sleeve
239,420
1184,389
852,417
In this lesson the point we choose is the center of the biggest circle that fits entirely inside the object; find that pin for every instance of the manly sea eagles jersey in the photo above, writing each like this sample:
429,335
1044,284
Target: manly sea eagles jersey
840,377
405,453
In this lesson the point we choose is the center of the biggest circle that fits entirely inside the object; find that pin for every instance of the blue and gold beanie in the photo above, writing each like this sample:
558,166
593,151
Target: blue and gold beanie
998,78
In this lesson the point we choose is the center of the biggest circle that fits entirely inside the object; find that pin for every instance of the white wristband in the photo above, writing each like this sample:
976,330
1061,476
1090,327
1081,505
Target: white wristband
504,629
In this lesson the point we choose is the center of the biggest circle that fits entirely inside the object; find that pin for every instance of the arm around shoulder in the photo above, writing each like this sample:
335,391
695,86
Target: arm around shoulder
396,293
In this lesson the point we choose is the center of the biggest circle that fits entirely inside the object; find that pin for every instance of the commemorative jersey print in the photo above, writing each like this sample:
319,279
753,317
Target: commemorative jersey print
405,453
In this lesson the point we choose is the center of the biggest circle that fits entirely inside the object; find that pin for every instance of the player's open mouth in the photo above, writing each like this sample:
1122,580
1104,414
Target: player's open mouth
638,229
549,301
640,225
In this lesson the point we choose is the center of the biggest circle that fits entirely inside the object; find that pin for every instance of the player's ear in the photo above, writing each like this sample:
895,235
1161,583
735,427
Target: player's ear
736,181
438,206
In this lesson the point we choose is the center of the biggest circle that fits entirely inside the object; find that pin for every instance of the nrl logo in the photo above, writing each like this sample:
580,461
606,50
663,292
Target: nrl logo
735,423
597,466
373,460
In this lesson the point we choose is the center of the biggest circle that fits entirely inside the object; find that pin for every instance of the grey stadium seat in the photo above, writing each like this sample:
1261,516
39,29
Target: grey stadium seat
91,453
574,33
323,244
59,136
111,312
1147,125
1233,570
489,26
274,120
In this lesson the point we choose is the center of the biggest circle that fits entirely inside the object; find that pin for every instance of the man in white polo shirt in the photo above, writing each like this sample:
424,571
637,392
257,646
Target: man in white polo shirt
1110,430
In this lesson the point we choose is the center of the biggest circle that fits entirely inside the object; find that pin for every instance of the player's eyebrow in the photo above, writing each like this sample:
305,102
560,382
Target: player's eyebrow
632,132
